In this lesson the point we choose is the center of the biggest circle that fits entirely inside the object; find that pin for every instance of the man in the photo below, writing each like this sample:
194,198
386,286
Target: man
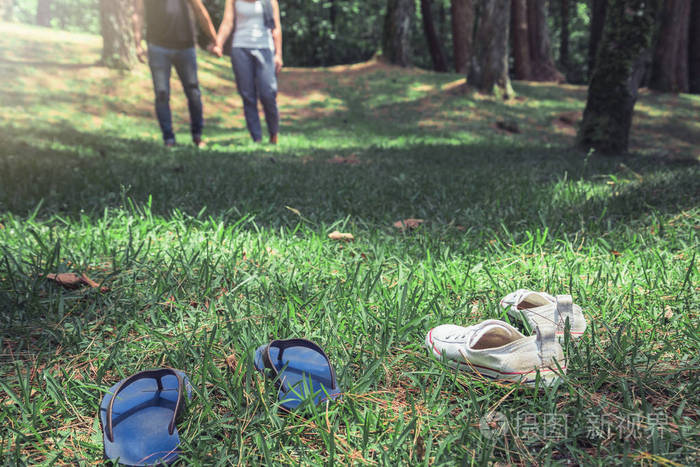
170,34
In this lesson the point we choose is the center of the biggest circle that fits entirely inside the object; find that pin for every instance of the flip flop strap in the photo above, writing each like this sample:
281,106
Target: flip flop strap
284,344
150,374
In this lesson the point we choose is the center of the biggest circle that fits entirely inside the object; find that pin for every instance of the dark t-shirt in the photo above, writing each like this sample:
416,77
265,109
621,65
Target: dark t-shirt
169,24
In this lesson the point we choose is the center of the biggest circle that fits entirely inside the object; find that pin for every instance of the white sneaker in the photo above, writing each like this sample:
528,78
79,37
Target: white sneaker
498,351
540,308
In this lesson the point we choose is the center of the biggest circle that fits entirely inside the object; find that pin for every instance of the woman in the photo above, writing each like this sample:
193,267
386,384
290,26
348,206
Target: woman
256,56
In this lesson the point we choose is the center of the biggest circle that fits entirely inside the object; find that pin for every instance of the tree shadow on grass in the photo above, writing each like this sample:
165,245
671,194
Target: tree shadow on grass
483,184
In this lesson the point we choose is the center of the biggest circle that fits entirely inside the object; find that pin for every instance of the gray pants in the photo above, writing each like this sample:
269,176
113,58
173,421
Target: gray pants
255,78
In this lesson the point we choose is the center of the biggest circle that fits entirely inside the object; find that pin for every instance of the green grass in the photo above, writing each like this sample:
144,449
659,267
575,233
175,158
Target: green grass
204,258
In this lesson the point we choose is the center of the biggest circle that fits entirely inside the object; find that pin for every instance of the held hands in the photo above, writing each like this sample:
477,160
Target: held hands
215,49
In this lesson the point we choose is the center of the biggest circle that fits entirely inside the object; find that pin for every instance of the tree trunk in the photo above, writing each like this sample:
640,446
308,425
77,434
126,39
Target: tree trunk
462,33
598,9
520,41
542,64
694,49
118,48
612,92
43,13
434,45
564,39
396,41
669,69
489,66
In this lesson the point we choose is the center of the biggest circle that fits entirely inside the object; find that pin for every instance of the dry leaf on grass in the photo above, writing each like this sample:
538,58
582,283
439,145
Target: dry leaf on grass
335,235
295,211
668,312
232,362
408,224
71,280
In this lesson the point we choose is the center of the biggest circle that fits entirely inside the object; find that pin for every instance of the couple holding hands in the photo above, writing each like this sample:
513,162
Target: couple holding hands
256,56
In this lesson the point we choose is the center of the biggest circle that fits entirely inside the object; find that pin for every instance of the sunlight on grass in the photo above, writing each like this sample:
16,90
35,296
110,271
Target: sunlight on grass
207,253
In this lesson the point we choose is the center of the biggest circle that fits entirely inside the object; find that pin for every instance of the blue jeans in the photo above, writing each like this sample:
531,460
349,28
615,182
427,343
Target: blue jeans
255,78
161,60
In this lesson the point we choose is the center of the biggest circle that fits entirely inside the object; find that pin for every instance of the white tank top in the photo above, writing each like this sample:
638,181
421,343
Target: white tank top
250,28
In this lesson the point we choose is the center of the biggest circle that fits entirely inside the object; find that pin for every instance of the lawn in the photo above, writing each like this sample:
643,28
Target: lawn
207,254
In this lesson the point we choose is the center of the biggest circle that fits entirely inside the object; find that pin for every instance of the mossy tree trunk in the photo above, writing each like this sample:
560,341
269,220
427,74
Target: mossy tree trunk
437,54
694,49
489,66
116,21
669,69
612,92
462,32
396,40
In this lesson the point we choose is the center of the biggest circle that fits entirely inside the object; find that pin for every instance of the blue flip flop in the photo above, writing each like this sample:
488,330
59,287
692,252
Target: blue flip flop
301,370
138,416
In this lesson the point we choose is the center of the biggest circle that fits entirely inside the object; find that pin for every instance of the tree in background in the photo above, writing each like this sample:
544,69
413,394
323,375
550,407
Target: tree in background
669,68
437,53
116,21
532,51
694,49
6,10
612,92
462,32
541,61
598,9
396,40
564,37
43,13
520,40
489,66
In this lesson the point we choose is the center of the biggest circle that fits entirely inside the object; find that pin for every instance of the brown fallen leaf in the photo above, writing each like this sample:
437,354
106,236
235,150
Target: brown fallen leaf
668,312
66,279
71,280
336,235
295,211
408,224
86,280
232,362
